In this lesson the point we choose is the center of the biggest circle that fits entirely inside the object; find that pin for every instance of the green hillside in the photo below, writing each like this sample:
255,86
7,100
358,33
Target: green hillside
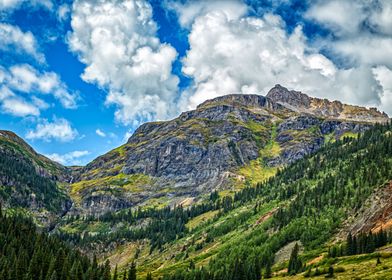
224,237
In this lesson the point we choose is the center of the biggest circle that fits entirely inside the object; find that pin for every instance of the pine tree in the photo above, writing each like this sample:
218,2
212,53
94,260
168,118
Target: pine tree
268,271
132,272
295,264
115,274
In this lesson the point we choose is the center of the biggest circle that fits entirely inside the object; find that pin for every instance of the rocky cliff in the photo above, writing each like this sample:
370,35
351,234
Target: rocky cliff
302,103
221,144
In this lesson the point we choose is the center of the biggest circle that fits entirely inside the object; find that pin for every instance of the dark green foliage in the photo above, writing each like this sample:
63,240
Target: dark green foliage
295,264
26,254
165,225
268,271
316,194
330,272
19,180
132,272
360,244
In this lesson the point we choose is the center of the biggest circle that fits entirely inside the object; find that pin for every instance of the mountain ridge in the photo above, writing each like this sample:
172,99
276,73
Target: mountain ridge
216,146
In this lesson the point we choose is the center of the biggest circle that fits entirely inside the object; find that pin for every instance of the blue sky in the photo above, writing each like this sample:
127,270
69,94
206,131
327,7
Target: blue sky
78,77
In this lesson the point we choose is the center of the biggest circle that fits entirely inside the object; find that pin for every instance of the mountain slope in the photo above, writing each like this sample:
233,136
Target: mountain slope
29,181
225,144
307,202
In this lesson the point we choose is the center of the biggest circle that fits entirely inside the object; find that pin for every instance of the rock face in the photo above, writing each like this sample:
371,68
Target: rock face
192,154
217,146
374,215
302,103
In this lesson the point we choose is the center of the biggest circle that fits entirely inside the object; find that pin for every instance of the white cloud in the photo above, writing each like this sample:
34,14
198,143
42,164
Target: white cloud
100,133
362,29
26,79
241,54
71,158
384,76
13,39
189,11
117,41
59,129
63,12
9,5
342,16
15,105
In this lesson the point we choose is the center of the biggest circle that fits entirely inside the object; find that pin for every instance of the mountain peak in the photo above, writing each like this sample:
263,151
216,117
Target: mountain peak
294,98
302,103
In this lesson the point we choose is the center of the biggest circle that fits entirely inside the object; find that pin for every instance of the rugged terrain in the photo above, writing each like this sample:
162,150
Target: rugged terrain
230,186
225,144
31,182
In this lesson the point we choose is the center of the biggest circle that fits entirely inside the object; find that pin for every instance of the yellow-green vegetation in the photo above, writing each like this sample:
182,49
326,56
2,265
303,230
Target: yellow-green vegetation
178,255
92,228
121,182
329,138
351,267
349,134
257,171
195,222
156,202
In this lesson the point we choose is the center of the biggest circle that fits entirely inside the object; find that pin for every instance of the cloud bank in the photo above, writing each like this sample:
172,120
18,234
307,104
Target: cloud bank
232,52
117,42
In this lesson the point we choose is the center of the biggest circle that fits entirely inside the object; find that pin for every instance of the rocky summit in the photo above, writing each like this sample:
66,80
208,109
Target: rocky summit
214,147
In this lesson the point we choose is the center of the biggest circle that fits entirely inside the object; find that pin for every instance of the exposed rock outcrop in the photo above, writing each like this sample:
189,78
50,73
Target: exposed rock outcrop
191,154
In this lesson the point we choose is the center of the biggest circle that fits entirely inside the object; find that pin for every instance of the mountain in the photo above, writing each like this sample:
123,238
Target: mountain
300,102
31,182
242,187
224,144
316,202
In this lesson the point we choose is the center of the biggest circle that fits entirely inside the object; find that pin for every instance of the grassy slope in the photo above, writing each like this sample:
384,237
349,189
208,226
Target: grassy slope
179,253
10,141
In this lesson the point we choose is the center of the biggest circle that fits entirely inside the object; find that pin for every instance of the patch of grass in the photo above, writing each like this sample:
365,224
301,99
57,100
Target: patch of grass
80,226
256,171
349,134
123,182
201,219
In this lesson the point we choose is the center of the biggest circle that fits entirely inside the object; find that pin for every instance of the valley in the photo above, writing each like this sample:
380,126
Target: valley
222,192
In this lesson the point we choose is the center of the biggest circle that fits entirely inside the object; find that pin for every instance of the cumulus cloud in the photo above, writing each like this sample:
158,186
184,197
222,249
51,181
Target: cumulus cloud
9,5
242,54
15,105
26,79
14,39
189,11
71,158
58,129
100,133
117,42
360,27
343,17
384,75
